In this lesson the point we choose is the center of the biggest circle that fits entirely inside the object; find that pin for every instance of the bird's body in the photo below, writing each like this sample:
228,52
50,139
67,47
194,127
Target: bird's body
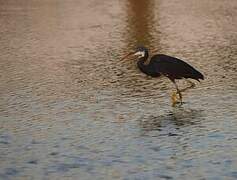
168,66
171,67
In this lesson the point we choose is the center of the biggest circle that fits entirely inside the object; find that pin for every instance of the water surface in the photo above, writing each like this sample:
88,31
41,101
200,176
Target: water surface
71,109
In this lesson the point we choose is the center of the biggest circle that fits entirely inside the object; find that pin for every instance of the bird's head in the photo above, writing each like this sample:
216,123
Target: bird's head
139,52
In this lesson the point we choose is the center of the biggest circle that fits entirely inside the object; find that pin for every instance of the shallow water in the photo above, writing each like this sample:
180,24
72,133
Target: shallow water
70,109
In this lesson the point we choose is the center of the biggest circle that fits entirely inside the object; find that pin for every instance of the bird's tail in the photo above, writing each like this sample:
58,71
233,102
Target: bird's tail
198,76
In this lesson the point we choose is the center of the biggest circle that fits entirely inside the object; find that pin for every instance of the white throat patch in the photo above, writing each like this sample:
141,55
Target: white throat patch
140,54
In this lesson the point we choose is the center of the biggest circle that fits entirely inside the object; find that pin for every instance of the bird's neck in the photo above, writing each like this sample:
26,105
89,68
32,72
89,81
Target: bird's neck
143,63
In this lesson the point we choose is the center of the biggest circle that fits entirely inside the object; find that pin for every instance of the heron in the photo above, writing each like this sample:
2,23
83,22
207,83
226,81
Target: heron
170,67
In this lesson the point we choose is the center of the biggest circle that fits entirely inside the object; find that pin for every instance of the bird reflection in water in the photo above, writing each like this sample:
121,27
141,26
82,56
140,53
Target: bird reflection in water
170,120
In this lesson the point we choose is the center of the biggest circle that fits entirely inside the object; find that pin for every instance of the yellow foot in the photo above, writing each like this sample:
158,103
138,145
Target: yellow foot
175,99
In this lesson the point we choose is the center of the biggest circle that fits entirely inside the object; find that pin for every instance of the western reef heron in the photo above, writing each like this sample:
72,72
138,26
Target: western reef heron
170,67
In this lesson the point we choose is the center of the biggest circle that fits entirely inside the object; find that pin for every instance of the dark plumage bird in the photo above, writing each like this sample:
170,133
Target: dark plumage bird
171,67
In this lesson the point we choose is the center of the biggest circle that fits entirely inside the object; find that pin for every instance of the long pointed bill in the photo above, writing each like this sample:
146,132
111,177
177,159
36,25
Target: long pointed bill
155,50
126,56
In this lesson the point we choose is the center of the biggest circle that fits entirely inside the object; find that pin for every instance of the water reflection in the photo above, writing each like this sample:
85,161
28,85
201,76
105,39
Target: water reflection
140,22
140,30
174,119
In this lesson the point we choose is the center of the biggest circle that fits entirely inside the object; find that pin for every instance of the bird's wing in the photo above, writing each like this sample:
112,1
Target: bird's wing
174,68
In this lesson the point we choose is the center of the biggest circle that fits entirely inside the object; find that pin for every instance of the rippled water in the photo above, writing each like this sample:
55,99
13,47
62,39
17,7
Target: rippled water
70,109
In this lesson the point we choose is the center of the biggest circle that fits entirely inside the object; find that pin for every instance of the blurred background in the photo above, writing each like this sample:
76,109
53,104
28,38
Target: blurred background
70,109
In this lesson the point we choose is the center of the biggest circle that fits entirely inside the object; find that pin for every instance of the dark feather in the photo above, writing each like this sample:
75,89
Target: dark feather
174,68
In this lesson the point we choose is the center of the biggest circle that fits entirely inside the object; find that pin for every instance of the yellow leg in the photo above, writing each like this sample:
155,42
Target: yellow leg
175,99
191,85
178,99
